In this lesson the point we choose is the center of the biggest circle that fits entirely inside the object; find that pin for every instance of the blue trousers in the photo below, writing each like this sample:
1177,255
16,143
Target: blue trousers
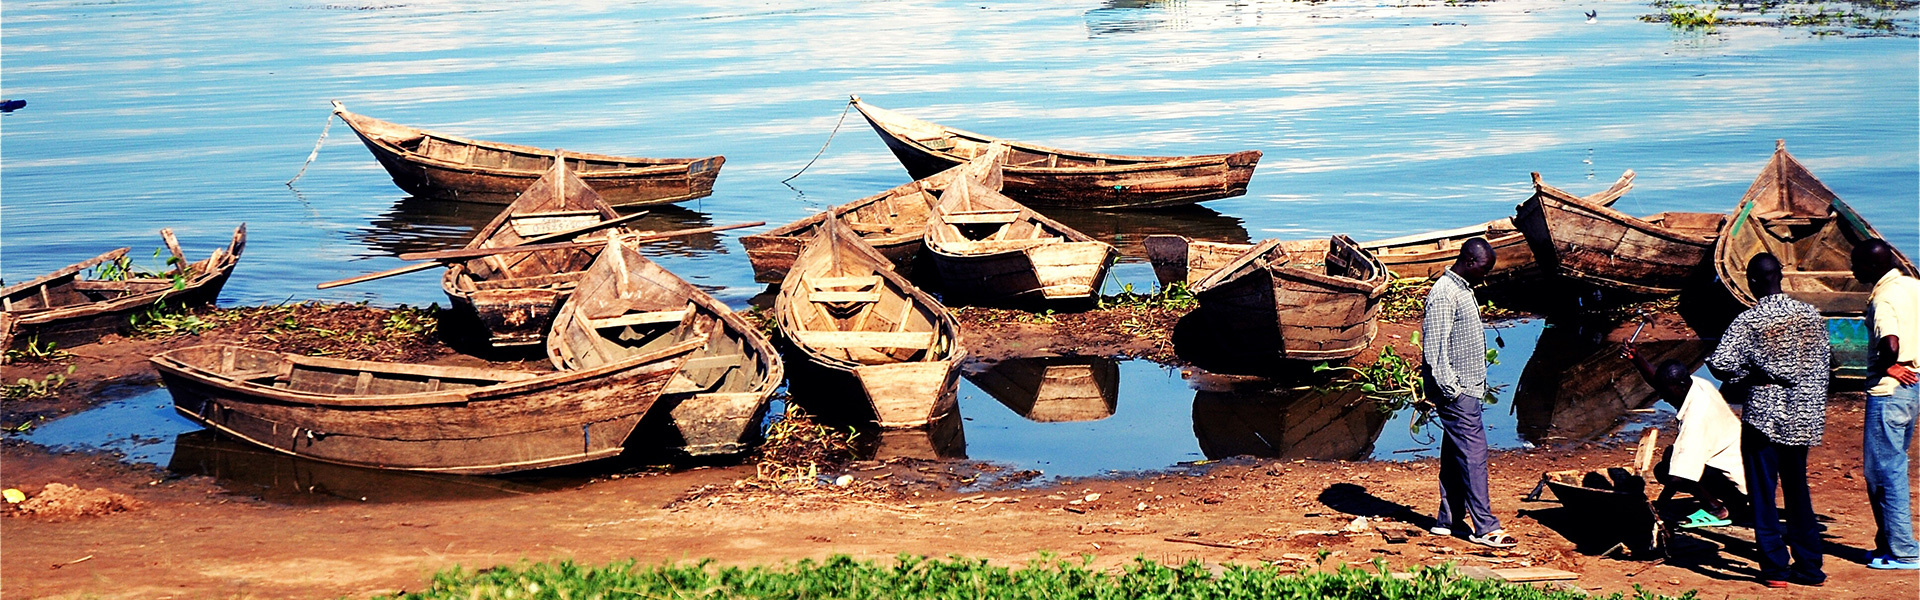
1767,463
1889,433
1463,467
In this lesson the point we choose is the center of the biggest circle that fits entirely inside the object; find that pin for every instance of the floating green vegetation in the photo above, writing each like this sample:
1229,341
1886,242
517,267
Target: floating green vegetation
1175,297
33,389
161,320
1821,17
37,351
912,577
1406,300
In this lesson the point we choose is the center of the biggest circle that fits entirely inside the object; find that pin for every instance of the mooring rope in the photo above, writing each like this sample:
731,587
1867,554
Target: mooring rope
316,150
823,147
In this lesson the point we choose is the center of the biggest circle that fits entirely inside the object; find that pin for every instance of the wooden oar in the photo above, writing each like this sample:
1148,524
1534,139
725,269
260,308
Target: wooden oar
534,240
464,253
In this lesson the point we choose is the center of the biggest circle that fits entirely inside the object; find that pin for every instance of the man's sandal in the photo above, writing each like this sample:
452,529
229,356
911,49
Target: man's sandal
1497,538
1702,518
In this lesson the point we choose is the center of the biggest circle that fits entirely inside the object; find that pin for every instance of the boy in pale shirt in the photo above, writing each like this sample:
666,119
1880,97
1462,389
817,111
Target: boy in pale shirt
1709,437
1893,399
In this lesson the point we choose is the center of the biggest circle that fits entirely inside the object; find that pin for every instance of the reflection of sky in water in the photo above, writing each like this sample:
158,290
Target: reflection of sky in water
140,426
193,115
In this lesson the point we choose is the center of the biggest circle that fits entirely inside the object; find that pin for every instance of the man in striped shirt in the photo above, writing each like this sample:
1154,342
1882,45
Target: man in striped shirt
1453,349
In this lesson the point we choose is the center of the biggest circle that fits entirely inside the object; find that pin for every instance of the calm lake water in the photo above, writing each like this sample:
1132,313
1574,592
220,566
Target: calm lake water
1376,119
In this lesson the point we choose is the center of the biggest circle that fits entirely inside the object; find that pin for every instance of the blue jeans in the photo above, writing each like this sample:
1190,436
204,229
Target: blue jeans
1463,467
1889,433
1769,464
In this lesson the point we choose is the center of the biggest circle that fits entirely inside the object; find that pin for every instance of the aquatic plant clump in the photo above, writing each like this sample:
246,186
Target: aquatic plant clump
911,577
1854,18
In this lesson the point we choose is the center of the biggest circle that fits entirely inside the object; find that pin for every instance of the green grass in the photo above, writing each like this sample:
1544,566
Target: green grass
910,577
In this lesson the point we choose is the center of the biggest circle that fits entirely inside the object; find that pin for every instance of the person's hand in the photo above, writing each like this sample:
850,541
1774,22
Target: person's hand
1626,351
1902,374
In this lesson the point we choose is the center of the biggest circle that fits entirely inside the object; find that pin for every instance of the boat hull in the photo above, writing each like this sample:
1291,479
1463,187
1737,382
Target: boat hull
1656,255
1278,297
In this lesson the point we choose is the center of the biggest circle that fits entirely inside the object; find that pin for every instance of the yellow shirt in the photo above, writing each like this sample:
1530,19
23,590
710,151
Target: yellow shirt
1894,309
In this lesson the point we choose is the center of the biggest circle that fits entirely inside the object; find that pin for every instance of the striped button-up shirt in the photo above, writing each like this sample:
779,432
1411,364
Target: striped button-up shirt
1779,351
1453,340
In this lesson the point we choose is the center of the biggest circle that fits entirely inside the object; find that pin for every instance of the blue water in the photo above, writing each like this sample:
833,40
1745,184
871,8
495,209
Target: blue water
1377,119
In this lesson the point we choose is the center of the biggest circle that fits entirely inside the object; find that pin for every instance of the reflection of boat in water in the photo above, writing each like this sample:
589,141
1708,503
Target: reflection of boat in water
1128,230
1256,417
249,470
1576,386
416,224
1136,16
1052,389
943,438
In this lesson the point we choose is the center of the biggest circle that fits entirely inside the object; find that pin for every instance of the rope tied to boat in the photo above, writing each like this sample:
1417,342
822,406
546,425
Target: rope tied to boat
816,155
316,150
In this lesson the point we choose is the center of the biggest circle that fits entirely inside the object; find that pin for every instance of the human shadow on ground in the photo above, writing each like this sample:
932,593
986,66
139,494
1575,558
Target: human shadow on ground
1357,501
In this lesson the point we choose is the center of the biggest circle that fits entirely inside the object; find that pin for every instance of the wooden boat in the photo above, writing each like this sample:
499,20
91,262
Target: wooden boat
1258,418
70,306
1417,256
1053,389
512,296
1790,213
987,247
1308,299
1658,254
418,417
634,308
893,222
850,319
1051,177
435,165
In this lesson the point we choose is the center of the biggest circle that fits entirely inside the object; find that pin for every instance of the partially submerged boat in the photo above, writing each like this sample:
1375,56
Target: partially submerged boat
1052,177
1658,254
989,248
867,342
436,165
422,417
1053,389
512,296
894,222
629,306
85,300
1307,299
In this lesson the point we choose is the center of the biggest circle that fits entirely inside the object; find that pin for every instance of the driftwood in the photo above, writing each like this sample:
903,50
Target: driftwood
857,326
64,306
433,165
1051,177
628,306
989,248
893,221
1658,254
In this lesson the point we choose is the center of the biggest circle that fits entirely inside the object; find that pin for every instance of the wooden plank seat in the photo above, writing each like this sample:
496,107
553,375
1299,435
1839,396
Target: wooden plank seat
857,281
255,376
985,246
837,297
651,317
516,283
981,217
859,227
866,339
541,223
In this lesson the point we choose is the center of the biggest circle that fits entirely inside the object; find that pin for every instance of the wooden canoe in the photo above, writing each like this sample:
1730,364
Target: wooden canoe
512,296
418,417
1261,419
629,306
850,319
1307,300
1417,256
988,248
1051,177
70,306
1053,389
893,222
1658,254
1790,213
435,165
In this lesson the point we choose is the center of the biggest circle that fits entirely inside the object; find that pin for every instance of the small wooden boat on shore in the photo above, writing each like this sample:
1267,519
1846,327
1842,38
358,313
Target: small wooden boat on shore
855,324
1308,299
512,296
420,417
989,248
629,306
1790,213
1658,254
71,306
1053,389
894,222
1051,177
434,165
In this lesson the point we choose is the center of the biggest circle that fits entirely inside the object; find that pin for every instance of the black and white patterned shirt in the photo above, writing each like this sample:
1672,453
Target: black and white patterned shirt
1779,350
1453,341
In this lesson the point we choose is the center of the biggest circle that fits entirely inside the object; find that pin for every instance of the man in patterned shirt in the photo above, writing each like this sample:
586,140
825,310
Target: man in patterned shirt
1453,349
1778,353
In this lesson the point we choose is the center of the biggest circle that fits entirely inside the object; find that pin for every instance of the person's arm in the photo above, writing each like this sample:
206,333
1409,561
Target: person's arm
1728,361
1886,318
1436,334
1639,362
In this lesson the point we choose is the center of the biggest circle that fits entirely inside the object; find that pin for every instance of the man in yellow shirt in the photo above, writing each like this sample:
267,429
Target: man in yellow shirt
1893,314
